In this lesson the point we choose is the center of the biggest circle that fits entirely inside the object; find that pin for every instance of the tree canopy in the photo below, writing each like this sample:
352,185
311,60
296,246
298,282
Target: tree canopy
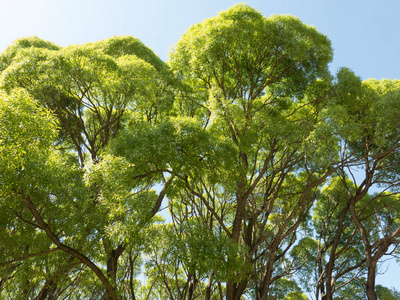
241,168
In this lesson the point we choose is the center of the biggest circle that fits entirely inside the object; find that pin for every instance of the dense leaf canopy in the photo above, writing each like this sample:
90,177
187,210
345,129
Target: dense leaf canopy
241,168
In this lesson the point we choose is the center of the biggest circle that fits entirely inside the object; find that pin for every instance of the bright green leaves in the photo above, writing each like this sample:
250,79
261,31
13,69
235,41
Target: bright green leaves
95,137
26,134
189,253
24,123
31,168
365,116
365,109
176,145
146,72
196,248
383,217
8,55
348,88
89,90
287,290
248,75
260,84
127,45
301,50
28,162
384,99
124,203
241,52
332,199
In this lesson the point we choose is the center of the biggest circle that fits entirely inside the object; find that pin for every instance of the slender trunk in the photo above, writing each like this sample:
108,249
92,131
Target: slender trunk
192,287
131,275
209,285
267,278
370,285
112,261
371,262
320,283
332,257
232,292
221,295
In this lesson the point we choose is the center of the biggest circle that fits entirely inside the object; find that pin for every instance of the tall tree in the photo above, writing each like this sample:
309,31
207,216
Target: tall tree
334,259
242,130
365,116
89,90
252,81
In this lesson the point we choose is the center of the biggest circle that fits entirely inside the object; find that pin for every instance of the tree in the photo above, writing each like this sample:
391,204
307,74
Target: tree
338,238
246,133
366,118
258,83
88,92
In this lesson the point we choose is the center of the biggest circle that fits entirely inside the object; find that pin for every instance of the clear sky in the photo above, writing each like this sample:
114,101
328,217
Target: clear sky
365,34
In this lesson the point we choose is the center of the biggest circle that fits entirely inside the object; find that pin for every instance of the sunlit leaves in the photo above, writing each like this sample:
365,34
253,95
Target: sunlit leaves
241,139
242,52
26,134
8,55
89,90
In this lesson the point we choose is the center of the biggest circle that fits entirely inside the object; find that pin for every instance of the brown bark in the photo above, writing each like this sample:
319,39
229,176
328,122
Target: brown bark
112,259
209,285
267,280
327,294
234,290
131,275
370,285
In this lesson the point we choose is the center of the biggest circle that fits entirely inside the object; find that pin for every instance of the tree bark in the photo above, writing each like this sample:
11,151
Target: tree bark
232,291
209,286
328,293
112,261
370,285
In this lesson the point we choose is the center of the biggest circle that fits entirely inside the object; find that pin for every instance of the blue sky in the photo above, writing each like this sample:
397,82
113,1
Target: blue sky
364,34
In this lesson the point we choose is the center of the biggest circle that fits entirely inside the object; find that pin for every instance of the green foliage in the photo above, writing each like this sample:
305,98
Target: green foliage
286,289
9,54
88,90
60,109
126,45
244,130
385,293
241,37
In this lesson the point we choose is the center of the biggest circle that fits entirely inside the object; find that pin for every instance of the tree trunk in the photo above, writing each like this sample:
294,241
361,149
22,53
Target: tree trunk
232,288
209,286
131,275
267,278
237,290
320,288
370,285
112,261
